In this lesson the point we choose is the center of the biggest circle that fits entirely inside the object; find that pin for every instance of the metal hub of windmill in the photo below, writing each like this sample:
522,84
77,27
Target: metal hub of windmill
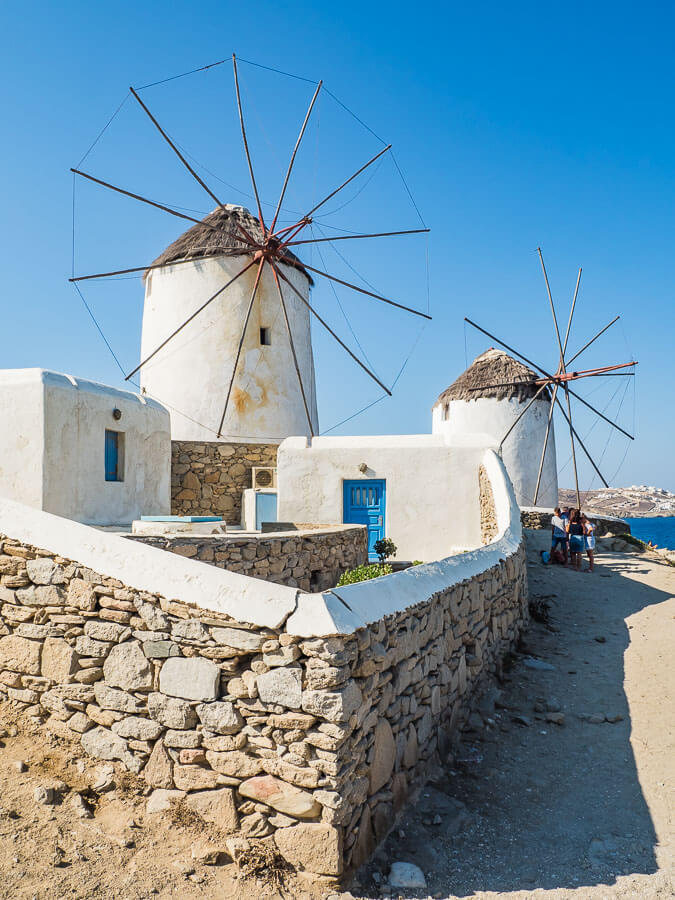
271,247
550,384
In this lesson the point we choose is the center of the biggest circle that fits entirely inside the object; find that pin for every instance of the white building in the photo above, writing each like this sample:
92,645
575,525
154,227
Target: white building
420,490
82,450
487,399
423,490
191,374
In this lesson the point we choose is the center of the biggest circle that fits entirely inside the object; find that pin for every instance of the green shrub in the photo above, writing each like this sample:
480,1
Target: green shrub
384,548
364,573
418,562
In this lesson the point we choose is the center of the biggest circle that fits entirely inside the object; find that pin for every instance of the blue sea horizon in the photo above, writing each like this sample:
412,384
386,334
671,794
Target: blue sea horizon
660,530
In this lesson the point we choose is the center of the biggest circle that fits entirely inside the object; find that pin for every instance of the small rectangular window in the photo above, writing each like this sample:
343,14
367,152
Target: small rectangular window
114,455
265,337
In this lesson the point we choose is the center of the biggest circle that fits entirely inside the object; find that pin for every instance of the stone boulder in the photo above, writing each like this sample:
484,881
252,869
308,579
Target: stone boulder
281,686
315,847
280,796
191,678
221,717
384,756
217,807
126,667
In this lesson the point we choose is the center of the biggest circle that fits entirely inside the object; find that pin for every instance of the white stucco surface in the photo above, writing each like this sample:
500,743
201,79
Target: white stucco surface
52,448
431,486
522,449
347,608
192,373
149,569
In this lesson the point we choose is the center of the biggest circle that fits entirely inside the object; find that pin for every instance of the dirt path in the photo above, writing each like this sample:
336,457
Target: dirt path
580,809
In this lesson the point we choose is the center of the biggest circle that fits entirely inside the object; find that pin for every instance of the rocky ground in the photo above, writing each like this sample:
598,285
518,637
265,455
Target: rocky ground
562,786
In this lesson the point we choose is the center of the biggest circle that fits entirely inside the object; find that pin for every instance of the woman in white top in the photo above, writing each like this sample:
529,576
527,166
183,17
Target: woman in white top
589,540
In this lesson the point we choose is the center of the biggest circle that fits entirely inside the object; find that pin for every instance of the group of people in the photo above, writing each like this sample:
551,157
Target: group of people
572,533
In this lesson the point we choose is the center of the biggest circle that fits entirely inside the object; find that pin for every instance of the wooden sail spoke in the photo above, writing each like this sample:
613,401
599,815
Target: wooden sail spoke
348,181
330,330
189,319
355,237
598,413
569,321
520,416
574,454
292,345
258,275
176,150
581,444
561,365
511,350
246,150
587,345
543,451
409,309
175,262
119,190
293,155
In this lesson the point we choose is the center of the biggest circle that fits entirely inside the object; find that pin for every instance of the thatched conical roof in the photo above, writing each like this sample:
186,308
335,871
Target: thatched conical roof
200,240
494,374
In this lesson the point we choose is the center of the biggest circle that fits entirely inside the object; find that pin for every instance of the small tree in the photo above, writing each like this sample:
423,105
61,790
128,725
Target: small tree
384,548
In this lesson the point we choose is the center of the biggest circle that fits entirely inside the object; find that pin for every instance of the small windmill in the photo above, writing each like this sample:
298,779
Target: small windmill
262,246
549,385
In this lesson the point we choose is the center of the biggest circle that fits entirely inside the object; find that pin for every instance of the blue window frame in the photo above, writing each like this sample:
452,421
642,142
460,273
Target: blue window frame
114,455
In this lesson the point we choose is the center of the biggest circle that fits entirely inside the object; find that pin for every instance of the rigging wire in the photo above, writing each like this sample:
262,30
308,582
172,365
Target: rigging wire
348,264
98,327
104,129
183,74
278,71
331,212
342,310
609,436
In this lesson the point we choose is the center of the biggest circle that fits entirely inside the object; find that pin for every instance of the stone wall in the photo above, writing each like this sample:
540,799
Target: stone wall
208,478
317,742
541,518
311,560
488,514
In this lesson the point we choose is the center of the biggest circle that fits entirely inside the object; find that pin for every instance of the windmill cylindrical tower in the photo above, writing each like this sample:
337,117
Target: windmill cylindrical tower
191,374
485,400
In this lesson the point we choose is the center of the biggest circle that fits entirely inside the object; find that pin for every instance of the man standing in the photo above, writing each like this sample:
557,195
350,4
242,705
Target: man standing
558,535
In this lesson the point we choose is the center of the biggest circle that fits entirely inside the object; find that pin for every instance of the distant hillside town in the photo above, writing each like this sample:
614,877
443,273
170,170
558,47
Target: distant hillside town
634,501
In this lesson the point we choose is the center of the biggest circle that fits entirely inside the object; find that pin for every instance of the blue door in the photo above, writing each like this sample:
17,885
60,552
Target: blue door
364,504
265,508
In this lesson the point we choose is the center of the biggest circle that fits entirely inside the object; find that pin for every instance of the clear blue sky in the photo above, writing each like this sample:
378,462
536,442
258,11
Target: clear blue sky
516,126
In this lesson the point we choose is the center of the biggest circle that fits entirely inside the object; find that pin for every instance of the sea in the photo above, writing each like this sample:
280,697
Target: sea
660,530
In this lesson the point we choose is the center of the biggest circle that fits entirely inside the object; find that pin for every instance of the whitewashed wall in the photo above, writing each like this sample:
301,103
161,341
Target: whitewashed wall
191,374
522,449
431,493
52,448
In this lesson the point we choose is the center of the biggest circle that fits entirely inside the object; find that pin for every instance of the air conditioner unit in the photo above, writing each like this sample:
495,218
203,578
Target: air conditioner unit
264,477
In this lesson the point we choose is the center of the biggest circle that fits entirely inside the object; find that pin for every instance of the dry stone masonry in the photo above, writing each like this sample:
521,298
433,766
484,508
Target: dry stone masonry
311,560
208,478
488,515
312,743
604,525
